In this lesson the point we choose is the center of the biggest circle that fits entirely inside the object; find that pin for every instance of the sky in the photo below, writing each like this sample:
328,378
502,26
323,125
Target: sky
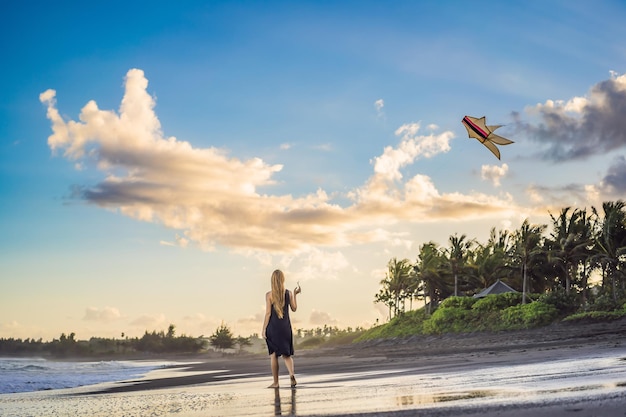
158,160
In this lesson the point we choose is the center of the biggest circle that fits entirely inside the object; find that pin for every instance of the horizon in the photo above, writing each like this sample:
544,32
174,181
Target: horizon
159,163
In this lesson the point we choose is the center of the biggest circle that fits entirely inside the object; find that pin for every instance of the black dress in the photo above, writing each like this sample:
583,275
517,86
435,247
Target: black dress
279,336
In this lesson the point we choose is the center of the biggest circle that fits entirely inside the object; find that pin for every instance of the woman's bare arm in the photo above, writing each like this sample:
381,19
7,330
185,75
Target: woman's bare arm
293,303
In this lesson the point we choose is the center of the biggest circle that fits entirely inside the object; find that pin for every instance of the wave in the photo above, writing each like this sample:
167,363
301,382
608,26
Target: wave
24,375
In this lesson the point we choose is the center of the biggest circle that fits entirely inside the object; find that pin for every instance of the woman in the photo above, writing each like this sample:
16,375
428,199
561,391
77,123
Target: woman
277,326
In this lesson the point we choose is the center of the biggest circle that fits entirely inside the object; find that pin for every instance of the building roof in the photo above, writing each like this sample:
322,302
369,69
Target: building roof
498,287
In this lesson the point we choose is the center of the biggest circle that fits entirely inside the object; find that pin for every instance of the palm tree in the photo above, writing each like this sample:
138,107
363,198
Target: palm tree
527,246
457,257
397,286
611,242
569,240
491,260
587,225
428,270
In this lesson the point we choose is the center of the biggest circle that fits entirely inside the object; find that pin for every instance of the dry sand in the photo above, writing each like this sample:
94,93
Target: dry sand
561,370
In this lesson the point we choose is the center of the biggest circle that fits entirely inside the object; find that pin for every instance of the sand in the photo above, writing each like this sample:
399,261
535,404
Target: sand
556,371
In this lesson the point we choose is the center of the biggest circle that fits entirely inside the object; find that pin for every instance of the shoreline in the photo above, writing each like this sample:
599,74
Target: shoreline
433,376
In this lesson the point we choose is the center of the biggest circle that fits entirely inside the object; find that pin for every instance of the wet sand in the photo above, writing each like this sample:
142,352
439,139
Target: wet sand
556,371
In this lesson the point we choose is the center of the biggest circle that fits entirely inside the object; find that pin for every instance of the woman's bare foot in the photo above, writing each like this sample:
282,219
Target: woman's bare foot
274,385
293,381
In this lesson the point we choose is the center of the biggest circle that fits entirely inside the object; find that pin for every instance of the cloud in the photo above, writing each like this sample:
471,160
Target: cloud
214,199
494,173
615,180
324,147
180,241
253,319
318,264
412,146
104,314
379,105
149,321
15,329
582,126
320,318
553,198
613,185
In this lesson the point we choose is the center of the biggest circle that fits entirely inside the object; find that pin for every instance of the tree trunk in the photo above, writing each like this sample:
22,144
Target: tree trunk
585,280
524,283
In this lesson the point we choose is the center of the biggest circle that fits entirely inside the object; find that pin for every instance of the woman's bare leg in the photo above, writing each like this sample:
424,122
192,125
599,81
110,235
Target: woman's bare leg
290,366
274,366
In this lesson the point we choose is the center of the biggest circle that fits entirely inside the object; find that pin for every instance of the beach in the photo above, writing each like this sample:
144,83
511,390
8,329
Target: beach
561,370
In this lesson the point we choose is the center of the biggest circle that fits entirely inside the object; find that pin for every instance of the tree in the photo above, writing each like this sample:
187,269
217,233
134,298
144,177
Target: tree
428,268
610,244
222,338
569,241
528,240
171,331
492,260
457,257
243,341
397,286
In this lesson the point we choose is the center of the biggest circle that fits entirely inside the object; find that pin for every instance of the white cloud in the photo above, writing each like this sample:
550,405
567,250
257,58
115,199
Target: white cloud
180,242
324,147
105,314
379,106
318,264
320,318
214,199
15,329
150,321
494,173
412,146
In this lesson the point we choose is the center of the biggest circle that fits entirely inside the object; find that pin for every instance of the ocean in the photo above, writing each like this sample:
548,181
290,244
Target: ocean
38,374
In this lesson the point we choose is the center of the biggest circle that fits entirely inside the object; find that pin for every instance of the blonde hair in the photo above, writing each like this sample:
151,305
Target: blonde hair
278,292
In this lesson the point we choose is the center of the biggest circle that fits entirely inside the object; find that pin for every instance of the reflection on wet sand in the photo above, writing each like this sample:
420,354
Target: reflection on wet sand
278,409
431,398
593,381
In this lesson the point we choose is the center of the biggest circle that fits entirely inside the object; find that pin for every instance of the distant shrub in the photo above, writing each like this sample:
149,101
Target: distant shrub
564,303
311,342
342,339
496,302
449,320
406,324
603,302
524,316
460,302
595,316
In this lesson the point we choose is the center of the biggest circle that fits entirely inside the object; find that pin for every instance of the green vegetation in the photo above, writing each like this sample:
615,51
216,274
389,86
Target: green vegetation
327,336
222,338
499,312
550,266
68,346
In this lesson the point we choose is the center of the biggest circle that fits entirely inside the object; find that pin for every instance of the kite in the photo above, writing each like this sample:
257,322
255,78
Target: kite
476,128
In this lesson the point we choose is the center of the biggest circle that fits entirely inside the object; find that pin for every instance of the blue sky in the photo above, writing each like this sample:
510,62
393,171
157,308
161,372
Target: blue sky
159,160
